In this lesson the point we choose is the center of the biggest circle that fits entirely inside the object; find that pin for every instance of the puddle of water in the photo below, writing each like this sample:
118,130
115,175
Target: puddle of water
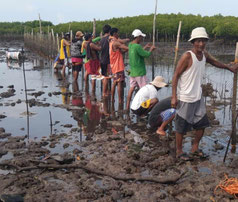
205,170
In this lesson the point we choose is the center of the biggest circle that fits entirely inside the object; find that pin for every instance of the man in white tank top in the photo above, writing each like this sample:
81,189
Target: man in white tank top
187,92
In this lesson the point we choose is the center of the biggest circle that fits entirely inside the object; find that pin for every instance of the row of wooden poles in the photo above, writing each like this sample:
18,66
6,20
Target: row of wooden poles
47,45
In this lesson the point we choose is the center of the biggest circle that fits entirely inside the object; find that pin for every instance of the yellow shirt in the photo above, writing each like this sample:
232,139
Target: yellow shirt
62,52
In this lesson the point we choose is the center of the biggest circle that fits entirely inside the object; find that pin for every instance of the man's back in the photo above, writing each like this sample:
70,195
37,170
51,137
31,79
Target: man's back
105,50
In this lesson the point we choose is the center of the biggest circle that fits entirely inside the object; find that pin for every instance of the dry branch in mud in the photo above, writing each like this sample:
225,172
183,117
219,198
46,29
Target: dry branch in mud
161,180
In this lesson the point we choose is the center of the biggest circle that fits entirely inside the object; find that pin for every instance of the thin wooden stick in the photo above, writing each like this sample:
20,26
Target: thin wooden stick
51,124
27,108
233,140
58,45
40,25
153,58
177,44
162,180
154,22
94,27
71,36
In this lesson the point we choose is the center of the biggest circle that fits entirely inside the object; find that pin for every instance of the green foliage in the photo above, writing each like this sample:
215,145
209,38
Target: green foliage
217,26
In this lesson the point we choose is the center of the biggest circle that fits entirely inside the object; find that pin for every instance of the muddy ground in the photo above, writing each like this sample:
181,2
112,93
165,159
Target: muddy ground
112,164
120,160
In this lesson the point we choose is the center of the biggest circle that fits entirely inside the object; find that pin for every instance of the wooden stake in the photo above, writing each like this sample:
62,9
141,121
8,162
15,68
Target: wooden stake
177,44
40,25
71,36
233,140
94,28
58,46
153,59
27,107
154,22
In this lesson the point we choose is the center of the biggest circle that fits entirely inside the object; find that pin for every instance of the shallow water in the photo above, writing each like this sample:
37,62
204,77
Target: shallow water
41,77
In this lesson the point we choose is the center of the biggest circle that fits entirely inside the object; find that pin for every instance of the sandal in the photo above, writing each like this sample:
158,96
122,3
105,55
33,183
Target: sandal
199,154
184,157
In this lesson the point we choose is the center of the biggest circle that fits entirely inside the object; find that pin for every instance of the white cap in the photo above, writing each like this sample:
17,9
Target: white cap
158,82
199,32
137,33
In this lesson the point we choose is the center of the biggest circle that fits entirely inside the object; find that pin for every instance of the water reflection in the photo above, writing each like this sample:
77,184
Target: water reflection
13,64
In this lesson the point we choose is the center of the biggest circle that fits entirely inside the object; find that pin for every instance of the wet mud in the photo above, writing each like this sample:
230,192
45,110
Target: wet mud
99,153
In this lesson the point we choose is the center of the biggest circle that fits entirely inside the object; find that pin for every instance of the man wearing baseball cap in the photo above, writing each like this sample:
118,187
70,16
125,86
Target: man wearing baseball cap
137,64
187,92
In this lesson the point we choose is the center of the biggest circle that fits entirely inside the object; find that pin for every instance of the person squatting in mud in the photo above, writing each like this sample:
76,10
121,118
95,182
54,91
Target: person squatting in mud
161,115
147,96
187,92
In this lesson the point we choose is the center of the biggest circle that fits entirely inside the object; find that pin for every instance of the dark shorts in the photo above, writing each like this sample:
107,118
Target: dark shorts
119,76
104,69
182,126
76,67
61,61
140,111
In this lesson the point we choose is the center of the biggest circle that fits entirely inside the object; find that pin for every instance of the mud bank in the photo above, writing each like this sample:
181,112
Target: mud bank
111,165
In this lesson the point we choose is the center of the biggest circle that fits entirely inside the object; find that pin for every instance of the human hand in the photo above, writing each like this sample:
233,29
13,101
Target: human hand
152,48
148,45
234,67
174,102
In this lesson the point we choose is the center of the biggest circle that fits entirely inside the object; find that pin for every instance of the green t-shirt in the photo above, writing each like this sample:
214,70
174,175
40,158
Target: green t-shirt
136,59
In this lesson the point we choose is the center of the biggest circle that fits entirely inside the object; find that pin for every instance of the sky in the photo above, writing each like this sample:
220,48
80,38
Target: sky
62,11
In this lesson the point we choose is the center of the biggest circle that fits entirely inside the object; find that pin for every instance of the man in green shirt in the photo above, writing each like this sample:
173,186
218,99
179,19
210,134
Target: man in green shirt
137,64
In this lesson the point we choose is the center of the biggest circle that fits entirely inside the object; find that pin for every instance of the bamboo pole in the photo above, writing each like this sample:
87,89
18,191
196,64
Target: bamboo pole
94,28
177,44
58,46
53,35
71,36
40,24
233,140
154,22
153,59
27,107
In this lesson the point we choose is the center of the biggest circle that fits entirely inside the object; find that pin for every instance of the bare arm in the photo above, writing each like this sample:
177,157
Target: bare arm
183,64
148,45
95,47
123,40
121,46
211,60
66,43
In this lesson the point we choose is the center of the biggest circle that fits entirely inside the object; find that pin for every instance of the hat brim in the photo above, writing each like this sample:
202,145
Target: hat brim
143,35
159,84
198,37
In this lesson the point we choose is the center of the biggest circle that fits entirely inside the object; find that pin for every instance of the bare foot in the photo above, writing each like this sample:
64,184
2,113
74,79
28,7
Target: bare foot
161,132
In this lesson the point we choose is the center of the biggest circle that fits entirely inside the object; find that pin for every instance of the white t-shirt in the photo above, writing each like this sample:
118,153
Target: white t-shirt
145,93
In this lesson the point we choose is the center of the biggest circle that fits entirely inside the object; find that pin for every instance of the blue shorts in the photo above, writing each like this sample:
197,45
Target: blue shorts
167,114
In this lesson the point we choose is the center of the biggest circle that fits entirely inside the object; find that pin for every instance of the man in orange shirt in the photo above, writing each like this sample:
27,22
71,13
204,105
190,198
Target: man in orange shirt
116,48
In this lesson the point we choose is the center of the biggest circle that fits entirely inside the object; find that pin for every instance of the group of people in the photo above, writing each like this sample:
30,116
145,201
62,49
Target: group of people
186,104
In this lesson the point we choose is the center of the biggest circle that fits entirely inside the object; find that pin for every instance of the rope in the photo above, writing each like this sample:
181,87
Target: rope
230,185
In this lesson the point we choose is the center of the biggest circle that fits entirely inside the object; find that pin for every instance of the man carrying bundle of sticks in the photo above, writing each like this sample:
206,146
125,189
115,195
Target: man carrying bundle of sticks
187,92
